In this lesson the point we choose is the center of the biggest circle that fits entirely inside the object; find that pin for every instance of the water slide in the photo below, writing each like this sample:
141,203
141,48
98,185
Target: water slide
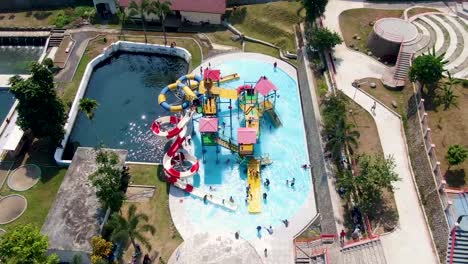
185,83
255,183
173,154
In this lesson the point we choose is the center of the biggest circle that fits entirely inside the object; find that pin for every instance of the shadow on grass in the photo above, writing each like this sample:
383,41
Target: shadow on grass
41,15
237,15
455,178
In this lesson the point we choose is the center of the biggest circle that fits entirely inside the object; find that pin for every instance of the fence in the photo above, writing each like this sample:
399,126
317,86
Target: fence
431,148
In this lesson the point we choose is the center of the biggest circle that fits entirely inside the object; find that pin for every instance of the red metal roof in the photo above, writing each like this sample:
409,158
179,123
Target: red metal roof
200,6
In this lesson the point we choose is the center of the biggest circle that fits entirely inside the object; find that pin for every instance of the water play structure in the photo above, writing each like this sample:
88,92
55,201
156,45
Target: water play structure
200,100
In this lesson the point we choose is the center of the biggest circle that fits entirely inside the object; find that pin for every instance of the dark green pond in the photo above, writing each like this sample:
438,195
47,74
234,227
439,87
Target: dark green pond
126,87
6,101
16,59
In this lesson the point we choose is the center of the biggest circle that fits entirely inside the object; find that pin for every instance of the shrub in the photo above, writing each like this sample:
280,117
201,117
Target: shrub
48,62
61,19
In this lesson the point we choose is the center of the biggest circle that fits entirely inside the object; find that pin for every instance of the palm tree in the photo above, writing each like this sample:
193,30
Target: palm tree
145,7
88,106
428,69
130,227
161,9
340,136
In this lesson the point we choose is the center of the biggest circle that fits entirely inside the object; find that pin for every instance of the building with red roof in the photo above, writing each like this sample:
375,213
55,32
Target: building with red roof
195,11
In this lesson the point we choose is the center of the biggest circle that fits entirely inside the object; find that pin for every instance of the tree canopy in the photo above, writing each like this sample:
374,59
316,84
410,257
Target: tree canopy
375,174
323,39
456,154
131,227
107,180
314,8
88,107
25,245
39,108
428,69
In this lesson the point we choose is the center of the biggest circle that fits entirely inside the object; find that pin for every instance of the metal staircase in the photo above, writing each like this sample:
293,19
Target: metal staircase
227,143
402,66
366,252
457,247
56,37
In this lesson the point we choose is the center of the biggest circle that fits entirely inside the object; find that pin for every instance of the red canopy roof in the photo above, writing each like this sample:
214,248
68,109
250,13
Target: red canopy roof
200,6
264,86
214,75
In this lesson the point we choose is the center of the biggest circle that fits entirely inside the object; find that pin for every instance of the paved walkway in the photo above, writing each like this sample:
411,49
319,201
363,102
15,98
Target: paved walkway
411,241
81,41
280,244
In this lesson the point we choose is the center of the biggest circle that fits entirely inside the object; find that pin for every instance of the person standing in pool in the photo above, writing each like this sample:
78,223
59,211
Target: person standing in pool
293,182
265,196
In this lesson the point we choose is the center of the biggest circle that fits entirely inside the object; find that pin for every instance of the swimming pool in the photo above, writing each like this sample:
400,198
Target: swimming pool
285,145
16,59
6,101
126,87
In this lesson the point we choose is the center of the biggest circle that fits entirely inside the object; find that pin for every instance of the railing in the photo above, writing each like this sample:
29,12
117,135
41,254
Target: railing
452,249
430,151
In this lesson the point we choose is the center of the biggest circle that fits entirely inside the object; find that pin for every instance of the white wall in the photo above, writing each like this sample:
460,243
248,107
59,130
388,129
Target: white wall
108,52
201,17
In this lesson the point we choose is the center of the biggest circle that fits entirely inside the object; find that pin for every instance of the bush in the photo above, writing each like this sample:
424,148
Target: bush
48,62
61,19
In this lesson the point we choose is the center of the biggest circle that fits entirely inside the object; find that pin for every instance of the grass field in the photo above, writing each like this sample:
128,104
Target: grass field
41,196
450,127
272,22
35,18
386,96
166,239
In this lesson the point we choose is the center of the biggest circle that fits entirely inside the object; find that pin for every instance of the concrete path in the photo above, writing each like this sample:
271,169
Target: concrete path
411,241
81,41
280,243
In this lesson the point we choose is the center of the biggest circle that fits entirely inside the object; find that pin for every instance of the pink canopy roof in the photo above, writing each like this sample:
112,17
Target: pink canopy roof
246,135
200,6
264,86
208,124
214,75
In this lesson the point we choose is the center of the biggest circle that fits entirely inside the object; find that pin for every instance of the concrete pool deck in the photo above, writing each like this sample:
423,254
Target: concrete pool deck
280,244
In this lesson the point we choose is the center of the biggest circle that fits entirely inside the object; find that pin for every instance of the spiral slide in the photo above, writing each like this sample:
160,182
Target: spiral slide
174,154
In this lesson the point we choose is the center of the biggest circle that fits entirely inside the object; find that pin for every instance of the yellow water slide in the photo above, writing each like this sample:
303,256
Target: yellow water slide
255,182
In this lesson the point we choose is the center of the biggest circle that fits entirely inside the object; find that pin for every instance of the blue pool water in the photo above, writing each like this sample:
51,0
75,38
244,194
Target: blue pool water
6,101
286,146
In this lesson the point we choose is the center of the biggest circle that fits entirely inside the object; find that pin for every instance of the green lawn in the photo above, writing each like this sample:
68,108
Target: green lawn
34,18
40,197
272,22
259,48
166,239
70,89
144,174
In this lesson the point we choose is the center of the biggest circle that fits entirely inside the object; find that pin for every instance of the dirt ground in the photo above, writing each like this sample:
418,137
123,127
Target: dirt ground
369,141
359,22
450,127
387,96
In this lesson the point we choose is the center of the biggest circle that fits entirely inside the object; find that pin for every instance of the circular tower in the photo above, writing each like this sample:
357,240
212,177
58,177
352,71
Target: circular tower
388,35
